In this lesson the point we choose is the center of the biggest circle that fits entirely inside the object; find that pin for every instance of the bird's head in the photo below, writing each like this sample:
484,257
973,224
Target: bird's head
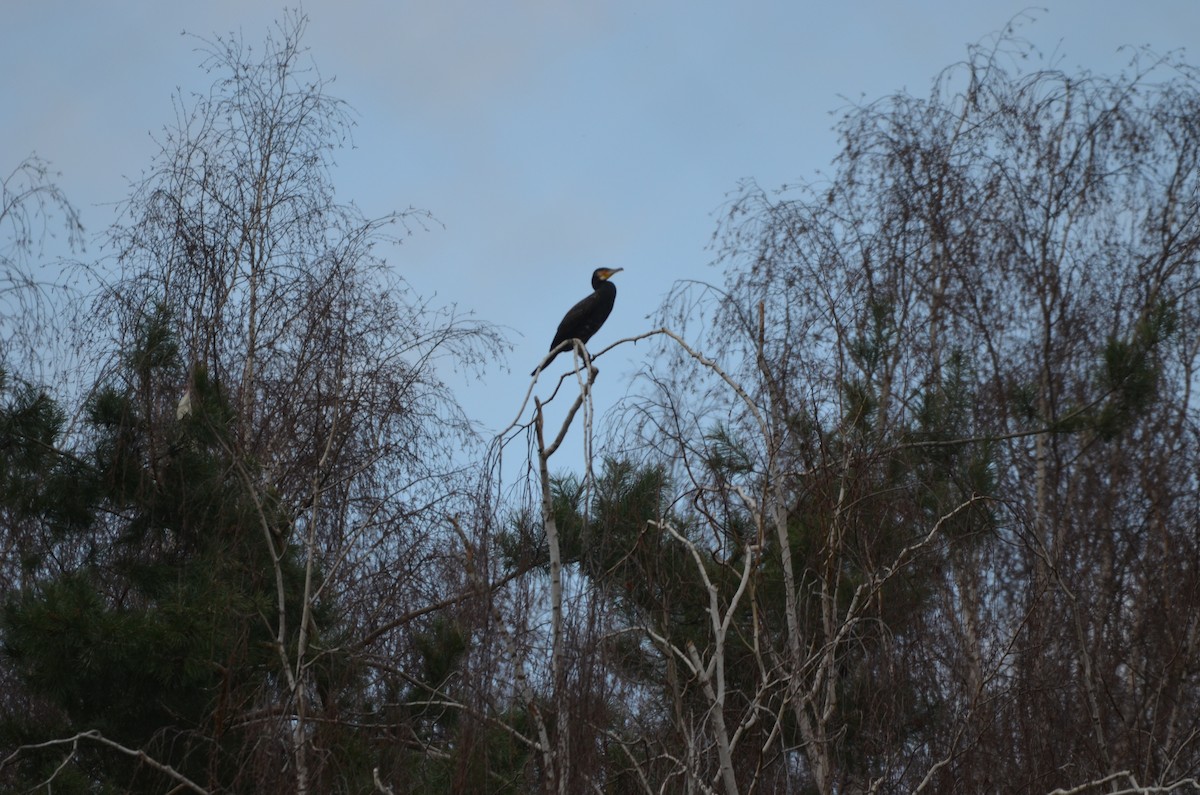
604,274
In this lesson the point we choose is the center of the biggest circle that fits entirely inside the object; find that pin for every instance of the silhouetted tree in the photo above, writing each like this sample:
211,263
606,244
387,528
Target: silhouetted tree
264,476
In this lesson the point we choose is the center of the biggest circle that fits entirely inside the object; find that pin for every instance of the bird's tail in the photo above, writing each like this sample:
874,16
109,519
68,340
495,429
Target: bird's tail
544,364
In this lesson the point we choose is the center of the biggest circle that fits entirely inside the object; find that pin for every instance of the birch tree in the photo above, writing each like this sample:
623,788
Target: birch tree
949,376
266,384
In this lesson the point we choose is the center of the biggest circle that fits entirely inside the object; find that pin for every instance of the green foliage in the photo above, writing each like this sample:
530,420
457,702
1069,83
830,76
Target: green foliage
876,336
1122,387
949,462
158,348
126,671
869,350
441,649
618,541
30,422
724,453
166,629
1130,371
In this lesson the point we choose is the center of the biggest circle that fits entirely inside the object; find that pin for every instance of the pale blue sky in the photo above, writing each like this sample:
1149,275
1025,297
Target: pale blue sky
549,138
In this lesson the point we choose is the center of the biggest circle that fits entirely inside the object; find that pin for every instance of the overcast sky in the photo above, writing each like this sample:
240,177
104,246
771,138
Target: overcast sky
549,138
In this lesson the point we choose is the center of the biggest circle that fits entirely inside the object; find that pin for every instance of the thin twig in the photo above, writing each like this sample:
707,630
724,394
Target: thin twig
97,737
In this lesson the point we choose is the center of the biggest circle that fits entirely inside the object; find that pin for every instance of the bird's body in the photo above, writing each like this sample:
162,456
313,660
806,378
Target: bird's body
586,317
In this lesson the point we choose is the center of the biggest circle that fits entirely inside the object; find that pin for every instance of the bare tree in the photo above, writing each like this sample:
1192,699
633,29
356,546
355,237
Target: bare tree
951,380
32,206
257,324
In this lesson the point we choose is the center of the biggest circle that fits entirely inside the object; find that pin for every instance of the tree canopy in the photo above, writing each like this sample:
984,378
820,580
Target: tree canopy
907,502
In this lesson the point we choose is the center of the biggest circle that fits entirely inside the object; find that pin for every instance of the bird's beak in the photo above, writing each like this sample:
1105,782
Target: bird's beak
608,272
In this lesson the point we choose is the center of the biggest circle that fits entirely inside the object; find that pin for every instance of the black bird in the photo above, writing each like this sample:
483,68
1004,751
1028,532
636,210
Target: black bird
587,316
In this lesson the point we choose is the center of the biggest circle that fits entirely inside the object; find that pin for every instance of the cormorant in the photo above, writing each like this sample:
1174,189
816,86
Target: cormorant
586,317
